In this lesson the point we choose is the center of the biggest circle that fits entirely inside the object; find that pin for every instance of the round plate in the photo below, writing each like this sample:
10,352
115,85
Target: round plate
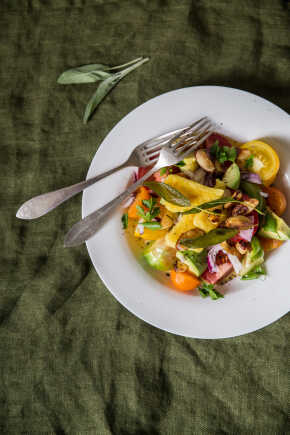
248,305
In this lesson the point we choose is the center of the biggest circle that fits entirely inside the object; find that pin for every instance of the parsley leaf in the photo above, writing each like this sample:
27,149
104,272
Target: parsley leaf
223,154
149,215
249,162
124,220
206,290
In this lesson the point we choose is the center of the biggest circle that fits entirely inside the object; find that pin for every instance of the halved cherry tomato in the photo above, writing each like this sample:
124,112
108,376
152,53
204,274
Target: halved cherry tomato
276,200
266,161
142,194
270,244
184,281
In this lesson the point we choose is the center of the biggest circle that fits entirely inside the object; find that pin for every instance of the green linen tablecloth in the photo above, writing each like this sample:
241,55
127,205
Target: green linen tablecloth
72,359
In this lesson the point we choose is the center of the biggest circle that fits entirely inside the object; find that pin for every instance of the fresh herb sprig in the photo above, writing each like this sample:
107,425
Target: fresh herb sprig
249,162
206,290
108,76
223,153
216,203
149,215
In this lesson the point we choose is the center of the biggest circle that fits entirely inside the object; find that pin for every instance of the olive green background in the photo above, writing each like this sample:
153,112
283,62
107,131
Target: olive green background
72,360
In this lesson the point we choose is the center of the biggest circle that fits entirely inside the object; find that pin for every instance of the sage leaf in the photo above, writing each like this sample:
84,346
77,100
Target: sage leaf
168,193
211,238
84,74
210,204
105,87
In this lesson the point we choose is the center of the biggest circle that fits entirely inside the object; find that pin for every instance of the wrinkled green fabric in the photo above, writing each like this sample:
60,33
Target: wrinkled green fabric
72,359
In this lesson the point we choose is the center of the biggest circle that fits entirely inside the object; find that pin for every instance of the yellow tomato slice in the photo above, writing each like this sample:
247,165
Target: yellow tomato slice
266,161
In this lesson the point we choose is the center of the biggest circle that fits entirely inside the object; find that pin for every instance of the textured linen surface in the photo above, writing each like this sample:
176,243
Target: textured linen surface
72,359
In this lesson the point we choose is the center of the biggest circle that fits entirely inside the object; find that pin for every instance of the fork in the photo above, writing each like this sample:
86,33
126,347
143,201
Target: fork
179,147
140,156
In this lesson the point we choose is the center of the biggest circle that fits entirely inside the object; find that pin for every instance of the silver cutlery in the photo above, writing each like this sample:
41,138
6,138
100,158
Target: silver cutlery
140,156
178,147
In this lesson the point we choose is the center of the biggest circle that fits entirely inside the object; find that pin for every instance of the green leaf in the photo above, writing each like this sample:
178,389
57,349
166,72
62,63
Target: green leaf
105,87
255,273
124,220
152,225
84,74
249,162
254,191
168,193
155,212
224,153
162,171
213,237
90,73
210,204
180,164
141,212
206,290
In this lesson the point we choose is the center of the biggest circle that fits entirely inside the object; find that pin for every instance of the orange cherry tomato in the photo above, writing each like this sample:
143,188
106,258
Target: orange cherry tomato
184,281
269,244
276,200
141,195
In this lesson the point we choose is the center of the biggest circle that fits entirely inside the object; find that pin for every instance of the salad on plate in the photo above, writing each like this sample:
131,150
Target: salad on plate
210,218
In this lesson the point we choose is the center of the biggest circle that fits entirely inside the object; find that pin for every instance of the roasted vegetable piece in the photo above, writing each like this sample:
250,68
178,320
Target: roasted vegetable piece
142,194
276,200
196,262
211,238
274,227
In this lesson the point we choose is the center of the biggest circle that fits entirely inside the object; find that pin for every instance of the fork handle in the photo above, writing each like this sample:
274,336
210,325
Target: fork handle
87,227
42,204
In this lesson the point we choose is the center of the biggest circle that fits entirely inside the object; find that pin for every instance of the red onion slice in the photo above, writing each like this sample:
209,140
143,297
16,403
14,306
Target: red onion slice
252,177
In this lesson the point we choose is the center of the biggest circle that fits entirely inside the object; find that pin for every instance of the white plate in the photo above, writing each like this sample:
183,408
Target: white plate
247,306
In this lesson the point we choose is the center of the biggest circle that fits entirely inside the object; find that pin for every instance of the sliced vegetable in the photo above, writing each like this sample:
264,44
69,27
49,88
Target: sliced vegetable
255,273
266,162
206,290
211,259
211,238
274,227
195,192
247,235
184,281
253,258
270,244
196,262
159,256
276,200
142,194
169,193
232,176
182,226
252,177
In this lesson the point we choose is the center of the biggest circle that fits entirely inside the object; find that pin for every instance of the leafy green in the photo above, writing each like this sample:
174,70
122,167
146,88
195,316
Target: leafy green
253,258
249,162
181,163
168,193
254,191
206,290
255,273
90,73
149,215
213,237
124,220
223,154
162,171
105,87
